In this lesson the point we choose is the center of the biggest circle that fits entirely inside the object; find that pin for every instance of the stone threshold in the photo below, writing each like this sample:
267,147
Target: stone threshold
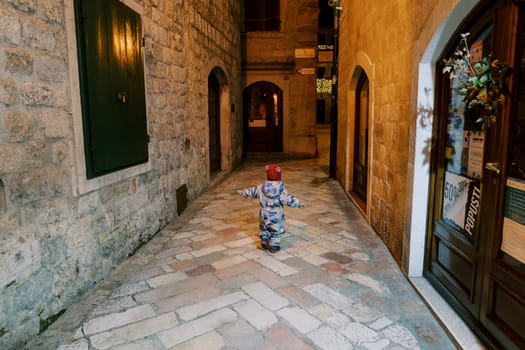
459,332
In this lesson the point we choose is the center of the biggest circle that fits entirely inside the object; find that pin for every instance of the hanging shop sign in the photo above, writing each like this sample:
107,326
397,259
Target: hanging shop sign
306,52
325,56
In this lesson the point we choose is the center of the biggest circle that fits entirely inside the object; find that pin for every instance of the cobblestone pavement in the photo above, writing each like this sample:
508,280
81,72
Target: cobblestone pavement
204,282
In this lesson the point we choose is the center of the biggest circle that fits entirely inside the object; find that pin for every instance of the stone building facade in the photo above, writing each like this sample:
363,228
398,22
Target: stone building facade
283,59
386,43
60,233
436,183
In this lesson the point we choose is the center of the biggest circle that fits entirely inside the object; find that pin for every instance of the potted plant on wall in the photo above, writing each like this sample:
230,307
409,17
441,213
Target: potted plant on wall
482,83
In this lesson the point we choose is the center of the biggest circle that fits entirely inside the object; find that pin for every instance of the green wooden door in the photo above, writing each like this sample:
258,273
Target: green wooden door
112,85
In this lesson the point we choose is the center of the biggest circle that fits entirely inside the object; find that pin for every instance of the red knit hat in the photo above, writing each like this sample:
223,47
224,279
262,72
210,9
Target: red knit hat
273,172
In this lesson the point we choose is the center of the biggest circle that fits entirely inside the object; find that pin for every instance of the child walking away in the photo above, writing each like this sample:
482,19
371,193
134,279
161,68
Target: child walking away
272,197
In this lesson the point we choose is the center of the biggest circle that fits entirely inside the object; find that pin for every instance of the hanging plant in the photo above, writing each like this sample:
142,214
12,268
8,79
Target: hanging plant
482,84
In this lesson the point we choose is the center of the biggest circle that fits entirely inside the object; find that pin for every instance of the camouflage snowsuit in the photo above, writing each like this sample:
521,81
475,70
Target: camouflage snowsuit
272,197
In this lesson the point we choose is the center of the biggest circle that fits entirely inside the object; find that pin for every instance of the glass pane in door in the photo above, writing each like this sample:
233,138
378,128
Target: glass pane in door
513,232
464,155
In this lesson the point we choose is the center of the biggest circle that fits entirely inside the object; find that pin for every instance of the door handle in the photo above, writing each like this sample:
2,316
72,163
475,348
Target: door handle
492,167
122,96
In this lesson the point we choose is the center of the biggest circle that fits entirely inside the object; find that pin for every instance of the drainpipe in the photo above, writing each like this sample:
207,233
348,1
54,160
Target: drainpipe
333,120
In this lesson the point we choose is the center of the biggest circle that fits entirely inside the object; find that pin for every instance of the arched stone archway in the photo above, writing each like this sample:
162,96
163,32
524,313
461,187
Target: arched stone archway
219,140
263,117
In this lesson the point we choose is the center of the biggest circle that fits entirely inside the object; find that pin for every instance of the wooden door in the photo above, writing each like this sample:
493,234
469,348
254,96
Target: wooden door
263,120
476,246
214,123
360,173
503,289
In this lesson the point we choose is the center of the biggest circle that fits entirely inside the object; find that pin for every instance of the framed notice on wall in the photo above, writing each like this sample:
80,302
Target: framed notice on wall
513,238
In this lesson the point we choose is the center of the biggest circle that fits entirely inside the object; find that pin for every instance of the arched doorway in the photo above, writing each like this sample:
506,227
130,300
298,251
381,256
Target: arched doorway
219,122
360,164
214,118
263,118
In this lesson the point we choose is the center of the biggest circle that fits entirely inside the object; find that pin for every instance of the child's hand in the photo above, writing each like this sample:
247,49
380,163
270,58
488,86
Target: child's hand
239,192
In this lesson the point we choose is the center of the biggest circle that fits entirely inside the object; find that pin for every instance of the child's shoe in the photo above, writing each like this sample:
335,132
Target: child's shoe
265,245
274,249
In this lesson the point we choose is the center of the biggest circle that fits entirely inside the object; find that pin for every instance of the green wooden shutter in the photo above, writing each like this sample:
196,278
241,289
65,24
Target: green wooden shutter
112,86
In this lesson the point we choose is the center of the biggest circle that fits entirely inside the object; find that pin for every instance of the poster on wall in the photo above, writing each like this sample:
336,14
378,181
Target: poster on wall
513,237
461,201
476,141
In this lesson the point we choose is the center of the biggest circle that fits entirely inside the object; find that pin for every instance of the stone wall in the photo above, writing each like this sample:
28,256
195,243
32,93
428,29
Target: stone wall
386,42
272,56
56,240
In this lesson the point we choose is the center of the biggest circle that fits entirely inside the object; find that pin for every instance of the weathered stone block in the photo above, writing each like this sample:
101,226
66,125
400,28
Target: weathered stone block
38,34
21,331
28,6
79,234
56,122
53,250
18,61
51,69
60,152
36,148
35,291
15,158
52,10
10,28
8,91
18,125
18,263
29,186
35,94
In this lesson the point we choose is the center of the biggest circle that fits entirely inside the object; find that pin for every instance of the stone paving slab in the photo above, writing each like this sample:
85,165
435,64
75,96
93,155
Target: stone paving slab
203,282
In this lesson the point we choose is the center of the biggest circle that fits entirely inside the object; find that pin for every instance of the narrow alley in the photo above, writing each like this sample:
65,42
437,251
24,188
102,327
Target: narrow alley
204,282
128,127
